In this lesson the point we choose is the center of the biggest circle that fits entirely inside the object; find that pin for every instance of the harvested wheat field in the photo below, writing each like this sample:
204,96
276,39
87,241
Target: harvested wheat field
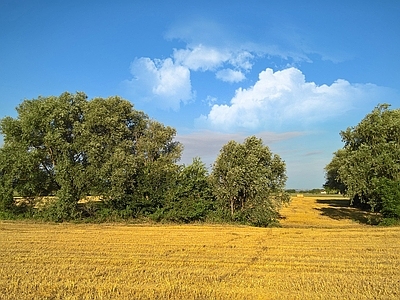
324,250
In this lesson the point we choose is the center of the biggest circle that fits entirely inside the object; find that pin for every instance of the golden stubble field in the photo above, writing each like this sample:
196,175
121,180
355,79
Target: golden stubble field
321,252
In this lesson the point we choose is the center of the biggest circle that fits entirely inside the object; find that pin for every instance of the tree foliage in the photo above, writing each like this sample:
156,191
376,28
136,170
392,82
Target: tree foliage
388,192
249,182
72,147
368,166
43,143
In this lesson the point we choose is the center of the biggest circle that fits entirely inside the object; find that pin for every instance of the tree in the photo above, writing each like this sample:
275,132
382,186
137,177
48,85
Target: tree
249,182
44,147
72,147
370,158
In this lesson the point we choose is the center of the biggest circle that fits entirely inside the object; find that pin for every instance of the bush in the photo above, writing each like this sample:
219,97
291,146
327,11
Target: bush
388,198
190,199
390,222
184,211
60,211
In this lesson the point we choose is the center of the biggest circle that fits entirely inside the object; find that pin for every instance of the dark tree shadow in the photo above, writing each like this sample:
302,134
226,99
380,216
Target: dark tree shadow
339,209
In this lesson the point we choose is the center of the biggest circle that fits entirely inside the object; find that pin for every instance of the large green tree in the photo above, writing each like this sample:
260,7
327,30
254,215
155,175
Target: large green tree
249,182
369,163
44,149
71,147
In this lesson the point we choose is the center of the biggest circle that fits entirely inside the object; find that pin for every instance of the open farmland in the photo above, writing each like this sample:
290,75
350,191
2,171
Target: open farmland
321,252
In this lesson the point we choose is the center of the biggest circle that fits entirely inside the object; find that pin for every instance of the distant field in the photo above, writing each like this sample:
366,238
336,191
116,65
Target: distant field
324,250
328,211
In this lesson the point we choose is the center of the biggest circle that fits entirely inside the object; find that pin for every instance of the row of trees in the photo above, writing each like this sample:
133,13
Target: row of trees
368,167
71,147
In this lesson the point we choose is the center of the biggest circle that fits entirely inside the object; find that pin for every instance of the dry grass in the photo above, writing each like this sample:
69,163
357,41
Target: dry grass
316,255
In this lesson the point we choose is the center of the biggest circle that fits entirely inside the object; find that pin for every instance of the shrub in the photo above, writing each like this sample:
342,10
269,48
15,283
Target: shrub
388,198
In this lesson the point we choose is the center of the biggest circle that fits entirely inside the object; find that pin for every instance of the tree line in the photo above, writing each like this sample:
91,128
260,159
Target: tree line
70,147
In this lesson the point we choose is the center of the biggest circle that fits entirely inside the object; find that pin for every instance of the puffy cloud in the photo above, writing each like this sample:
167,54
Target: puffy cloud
230,75
166,82
285,96
162,81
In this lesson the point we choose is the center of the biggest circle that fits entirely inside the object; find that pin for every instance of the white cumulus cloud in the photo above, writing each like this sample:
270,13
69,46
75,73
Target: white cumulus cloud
230,75
167,83
162,81
285,96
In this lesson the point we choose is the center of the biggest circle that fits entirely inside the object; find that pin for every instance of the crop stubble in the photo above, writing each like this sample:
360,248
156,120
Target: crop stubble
332,259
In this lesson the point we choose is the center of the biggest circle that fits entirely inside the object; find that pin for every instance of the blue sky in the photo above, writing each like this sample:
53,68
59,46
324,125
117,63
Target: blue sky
294,73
